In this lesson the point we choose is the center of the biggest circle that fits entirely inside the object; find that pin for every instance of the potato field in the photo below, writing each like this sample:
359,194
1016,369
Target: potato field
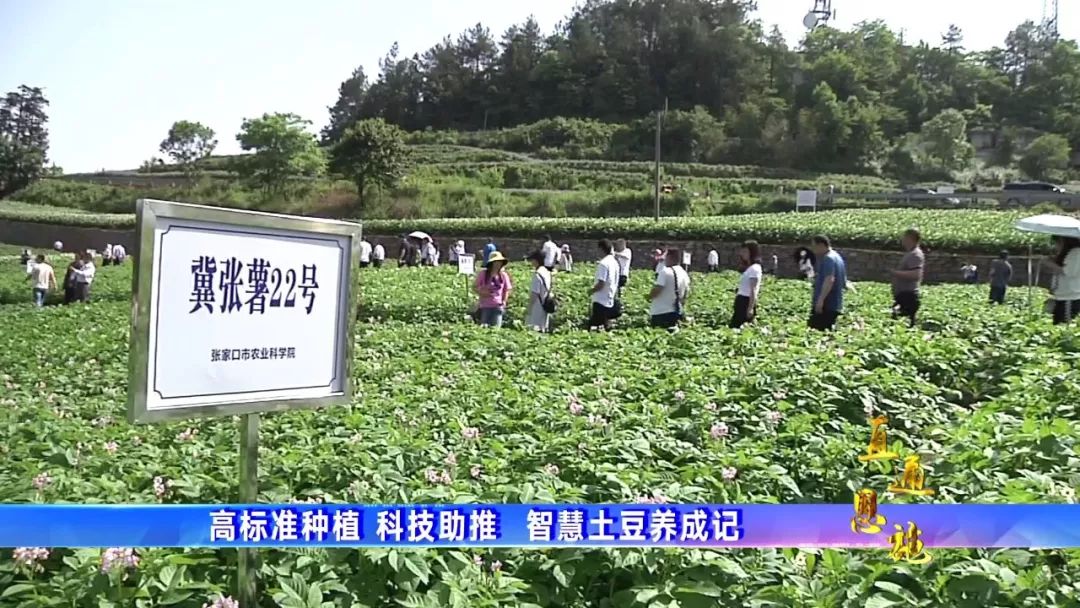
447,412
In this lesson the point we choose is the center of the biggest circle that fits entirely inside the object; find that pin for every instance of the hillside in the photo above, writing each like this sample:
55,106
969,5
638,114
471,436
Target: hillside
463,181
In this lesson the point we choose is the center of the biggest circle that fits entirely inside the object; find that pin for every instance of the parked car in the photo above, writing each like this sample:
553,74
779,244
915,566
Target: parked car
1033,187
913,194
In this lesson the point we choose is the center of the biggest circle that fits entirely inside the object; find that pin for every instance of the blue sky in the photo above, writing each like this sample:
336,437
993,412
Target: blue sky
119,72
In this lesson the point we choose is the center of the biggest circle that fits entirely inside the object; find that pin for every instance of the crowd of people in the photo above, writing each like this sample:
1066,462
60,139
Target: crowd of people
78,277
818,263
667,298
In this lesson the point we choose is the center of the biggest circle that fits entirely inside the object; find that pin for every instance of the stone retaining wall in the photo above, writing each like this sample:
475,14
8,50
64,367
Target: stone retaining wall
863,264
74,238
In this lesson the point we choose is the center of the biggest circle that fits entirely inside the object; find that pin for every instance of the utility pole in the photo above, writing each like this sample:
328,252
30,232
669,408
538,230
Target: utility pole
659,124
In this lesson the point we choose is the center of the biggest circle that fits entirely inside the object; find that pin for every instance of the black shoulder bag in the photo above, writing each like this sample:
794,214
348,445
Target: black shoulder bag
548,302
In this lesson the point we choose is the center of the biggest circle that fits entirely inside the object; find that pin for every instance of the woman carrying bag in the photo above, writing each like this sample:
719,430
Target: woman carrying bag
542,302
669,293
1065,296
493,286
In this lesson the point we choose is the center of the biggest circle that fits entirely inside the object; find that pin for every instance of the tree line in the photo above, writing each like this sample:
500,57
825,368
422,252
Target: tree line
24,138
858,100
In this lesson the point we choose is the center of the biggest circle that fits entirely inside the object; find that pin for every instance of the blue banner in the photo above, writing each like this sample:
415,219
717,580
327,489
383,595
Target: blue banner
544,525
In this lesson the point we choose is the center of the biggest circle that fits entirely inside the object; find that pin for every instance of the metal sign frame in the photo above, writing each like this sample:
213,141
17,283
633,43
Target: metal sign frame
148,213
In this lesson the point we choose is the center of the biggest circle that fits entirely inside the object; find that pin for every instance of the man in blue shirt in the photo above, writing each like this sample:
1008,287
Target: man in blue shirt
830,280
488,250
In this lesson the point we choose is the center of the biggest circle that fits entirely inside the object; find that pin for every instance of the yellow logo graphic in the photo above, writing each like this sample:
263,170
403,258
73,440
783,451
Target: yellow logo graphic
906,545
867,520
912,479
878,448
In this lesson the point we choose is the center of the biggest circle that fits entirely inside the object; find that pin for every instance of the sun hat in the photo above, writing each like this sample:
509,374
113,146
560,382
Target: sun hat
496,257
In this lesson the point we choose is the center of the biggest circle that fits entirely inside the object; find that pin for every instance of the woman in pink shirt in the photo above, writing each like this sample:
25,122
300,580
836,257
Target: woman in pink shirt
493,286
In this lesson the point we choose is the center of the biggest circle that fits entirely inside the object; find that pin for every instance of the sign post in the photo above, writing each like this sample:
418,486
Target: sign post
237,313
806,199
467,267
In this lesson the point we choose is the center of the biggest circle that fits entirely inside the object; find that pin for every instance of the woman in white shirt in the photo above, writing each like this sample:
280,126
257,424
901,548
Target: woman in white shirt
805,259
566,258
669,293
535,316
378,254
624,257
1066,268
746,296
713,261
658,259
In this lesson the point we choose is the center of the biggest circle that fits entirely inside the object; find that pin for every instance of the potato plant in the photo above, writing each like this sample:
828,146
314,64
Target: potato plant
573,416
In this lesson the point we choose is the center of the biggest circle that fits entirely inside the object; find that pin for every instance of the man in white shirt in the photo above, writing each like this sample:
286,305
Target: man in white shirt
119,254
623,256
605,304
551,253
713,260
84,277
365,253
669,293
43,279
378,254
107,255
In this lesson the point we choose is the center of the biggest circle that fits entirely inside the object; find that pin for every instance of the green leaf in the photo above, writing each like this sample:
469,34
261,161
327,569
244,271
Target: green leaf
701,588
314,596
560,576
645,595
16,589
418,567
879,601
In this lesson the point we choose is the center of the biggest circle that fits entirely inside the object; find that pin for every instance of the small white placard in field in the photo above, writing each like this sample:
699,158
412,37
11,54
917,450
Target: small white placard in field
466,264
240,312
806,198
946,190
686,258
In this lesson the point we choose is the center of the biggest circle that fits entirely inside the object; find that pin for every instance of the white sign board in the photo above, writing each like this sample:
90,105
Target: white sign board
806,198
946,190
466,264
239,312
686,258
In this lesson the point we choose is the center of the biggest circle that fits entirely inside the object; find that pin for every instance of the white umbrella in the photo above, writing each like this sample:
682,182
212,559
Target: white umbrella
423,236
1058,225
1048,223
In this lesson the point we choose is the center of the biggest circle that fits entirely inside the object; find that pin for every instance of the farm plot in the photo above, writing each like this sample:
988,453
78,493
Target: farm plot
774,413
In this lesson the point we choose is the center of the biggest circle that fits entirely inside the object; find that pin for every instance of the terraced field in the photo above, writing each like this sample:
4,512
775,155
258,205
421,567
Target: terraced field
955,230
